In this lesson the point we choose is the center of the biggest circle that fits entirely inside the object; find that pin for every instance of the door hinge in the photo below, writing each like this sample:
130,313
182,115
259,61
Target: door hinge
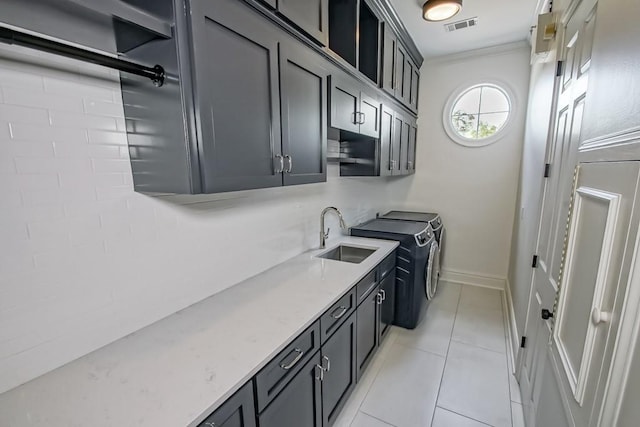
547,169
560,68
534,261
523,342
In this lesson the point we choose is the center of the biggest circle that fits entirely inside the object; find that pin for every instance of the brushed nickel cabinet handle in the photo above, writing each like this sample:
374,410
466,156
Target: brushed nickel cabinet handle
281,159
319,373
339,312
290,160
326,359
291,364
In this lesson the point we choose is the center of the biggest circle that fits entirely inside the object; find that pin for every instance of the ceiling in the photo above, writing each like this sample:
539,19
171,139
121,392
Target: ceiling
499,22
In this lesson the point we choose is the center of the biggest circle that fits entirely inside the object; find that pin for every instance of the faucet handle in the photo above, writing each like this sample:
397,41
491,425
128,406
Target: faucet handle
326,235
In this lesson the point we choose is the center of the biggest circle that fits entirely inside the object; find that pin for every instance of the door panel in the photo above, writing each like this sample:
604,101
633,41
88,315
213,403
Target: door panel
299,403
238,98
404,147
387,308
339,356
589,304
312,16
411,150
345,102
415,84
396,143
238,411
388,60
401,91
386,138
370,116
303,86
367,325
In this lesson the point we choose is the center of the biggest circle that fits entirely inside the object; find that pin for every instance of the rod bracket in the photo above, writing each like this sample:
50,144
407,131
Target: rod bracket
158,79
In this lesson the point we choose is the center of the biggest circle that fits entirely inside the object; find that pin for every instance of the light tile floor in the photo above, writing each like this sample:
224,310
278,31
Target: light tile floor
451,371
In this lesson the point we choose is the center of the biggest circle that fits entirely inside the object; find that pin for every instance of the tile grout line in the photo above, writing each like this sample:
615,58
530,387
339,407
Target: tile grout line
446,357
372,416
464,416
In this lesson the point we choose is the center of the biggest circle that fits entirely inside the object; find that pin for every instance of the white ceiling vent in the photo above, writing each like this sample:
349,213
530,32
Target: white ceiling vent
460,25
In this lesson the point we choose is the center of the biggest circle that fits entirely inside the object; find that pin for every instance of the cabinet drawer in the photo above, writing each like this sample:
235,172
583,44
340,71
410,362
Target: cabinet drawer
275,376
237,411
365,285
337,314
387,265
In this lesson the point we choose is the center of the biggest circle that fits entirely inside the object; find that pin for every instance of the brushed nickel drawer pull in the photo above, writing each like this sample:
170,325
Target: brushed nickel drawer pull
340,312
291,364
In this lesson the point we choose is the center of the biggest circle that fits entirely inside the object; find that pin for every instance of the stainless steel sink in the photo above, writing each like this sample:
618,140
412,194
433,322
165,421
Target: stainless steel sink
347,254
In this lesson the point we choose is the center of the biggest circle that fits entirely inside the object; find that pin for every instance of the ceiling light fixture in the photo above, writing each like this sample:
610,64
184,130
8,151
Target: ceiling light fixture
439,10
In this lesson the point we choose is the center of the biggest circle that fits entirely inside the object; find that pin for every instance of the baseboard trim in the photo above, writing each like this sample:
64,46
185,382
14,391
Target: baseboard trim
473,279
512,330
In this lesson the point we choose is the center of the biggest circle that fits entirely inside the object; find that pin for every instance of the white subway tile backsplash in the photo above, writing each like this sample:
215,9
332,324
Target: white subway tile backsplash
38,99
102,108
79,88
29,132
97,136
18,114
89,259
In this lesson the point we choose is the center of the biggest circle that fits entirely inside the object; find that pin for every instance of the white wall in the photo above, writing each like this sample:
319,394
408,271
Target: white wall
84,260
474,189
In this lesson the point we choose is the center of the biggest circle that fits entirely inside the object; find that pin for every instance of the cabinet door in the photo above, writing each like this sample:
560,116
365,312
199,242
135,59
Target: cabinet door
386,137
411,150
402,83
396,143
235,52
311,16
300,402
237,411
388,61
415,85
345,102
369,114
387,308
339,360
303,88
367,330
406,81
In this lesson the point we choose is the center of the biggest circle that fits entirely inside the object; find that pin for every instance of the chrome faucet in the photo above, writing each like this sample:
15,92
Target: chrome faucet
323,235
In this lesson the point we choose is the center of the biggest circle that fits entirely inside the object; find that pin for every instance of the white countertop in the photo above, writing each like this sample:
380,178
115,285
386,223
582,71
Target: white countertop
176,371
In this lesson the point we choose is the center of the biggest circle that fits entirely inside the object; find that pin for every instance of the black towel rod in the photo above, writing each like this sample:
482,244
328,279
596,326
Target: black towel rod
9,36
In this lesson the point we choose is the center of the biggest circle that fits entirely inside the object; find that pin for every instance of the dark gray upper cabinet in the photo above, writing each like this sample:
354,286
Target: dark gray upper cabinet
402,83
368,42
367,330
300,402
339,362
386,138
396,144
345,105
303,89
311,16
404,146
389,42
353,110
415,85
237,411
237,98
369,116
411,150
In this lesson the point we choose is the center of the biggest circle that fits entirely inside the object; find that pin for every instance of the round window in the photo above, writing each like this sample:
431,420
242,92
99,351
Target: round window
478,115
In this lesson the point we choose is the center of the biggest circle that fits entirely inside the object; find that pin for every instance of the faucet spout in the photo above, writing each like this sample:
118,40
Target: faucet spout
324,235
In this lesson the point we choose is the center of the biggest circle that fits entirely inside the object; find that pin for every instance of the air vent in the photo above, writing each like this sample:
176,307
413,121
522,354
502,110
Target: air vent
460,25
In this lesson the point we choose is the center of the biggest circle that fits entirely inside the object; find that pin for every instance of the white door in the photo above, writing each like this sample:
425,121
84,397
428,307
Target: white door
571,86
593,287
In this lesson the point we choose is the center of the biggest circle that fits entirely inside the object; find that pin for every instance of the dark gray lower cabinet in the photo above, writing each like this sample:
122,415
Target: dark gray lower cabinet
339,362
237,411
303,89
300,402
367,330
387,307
